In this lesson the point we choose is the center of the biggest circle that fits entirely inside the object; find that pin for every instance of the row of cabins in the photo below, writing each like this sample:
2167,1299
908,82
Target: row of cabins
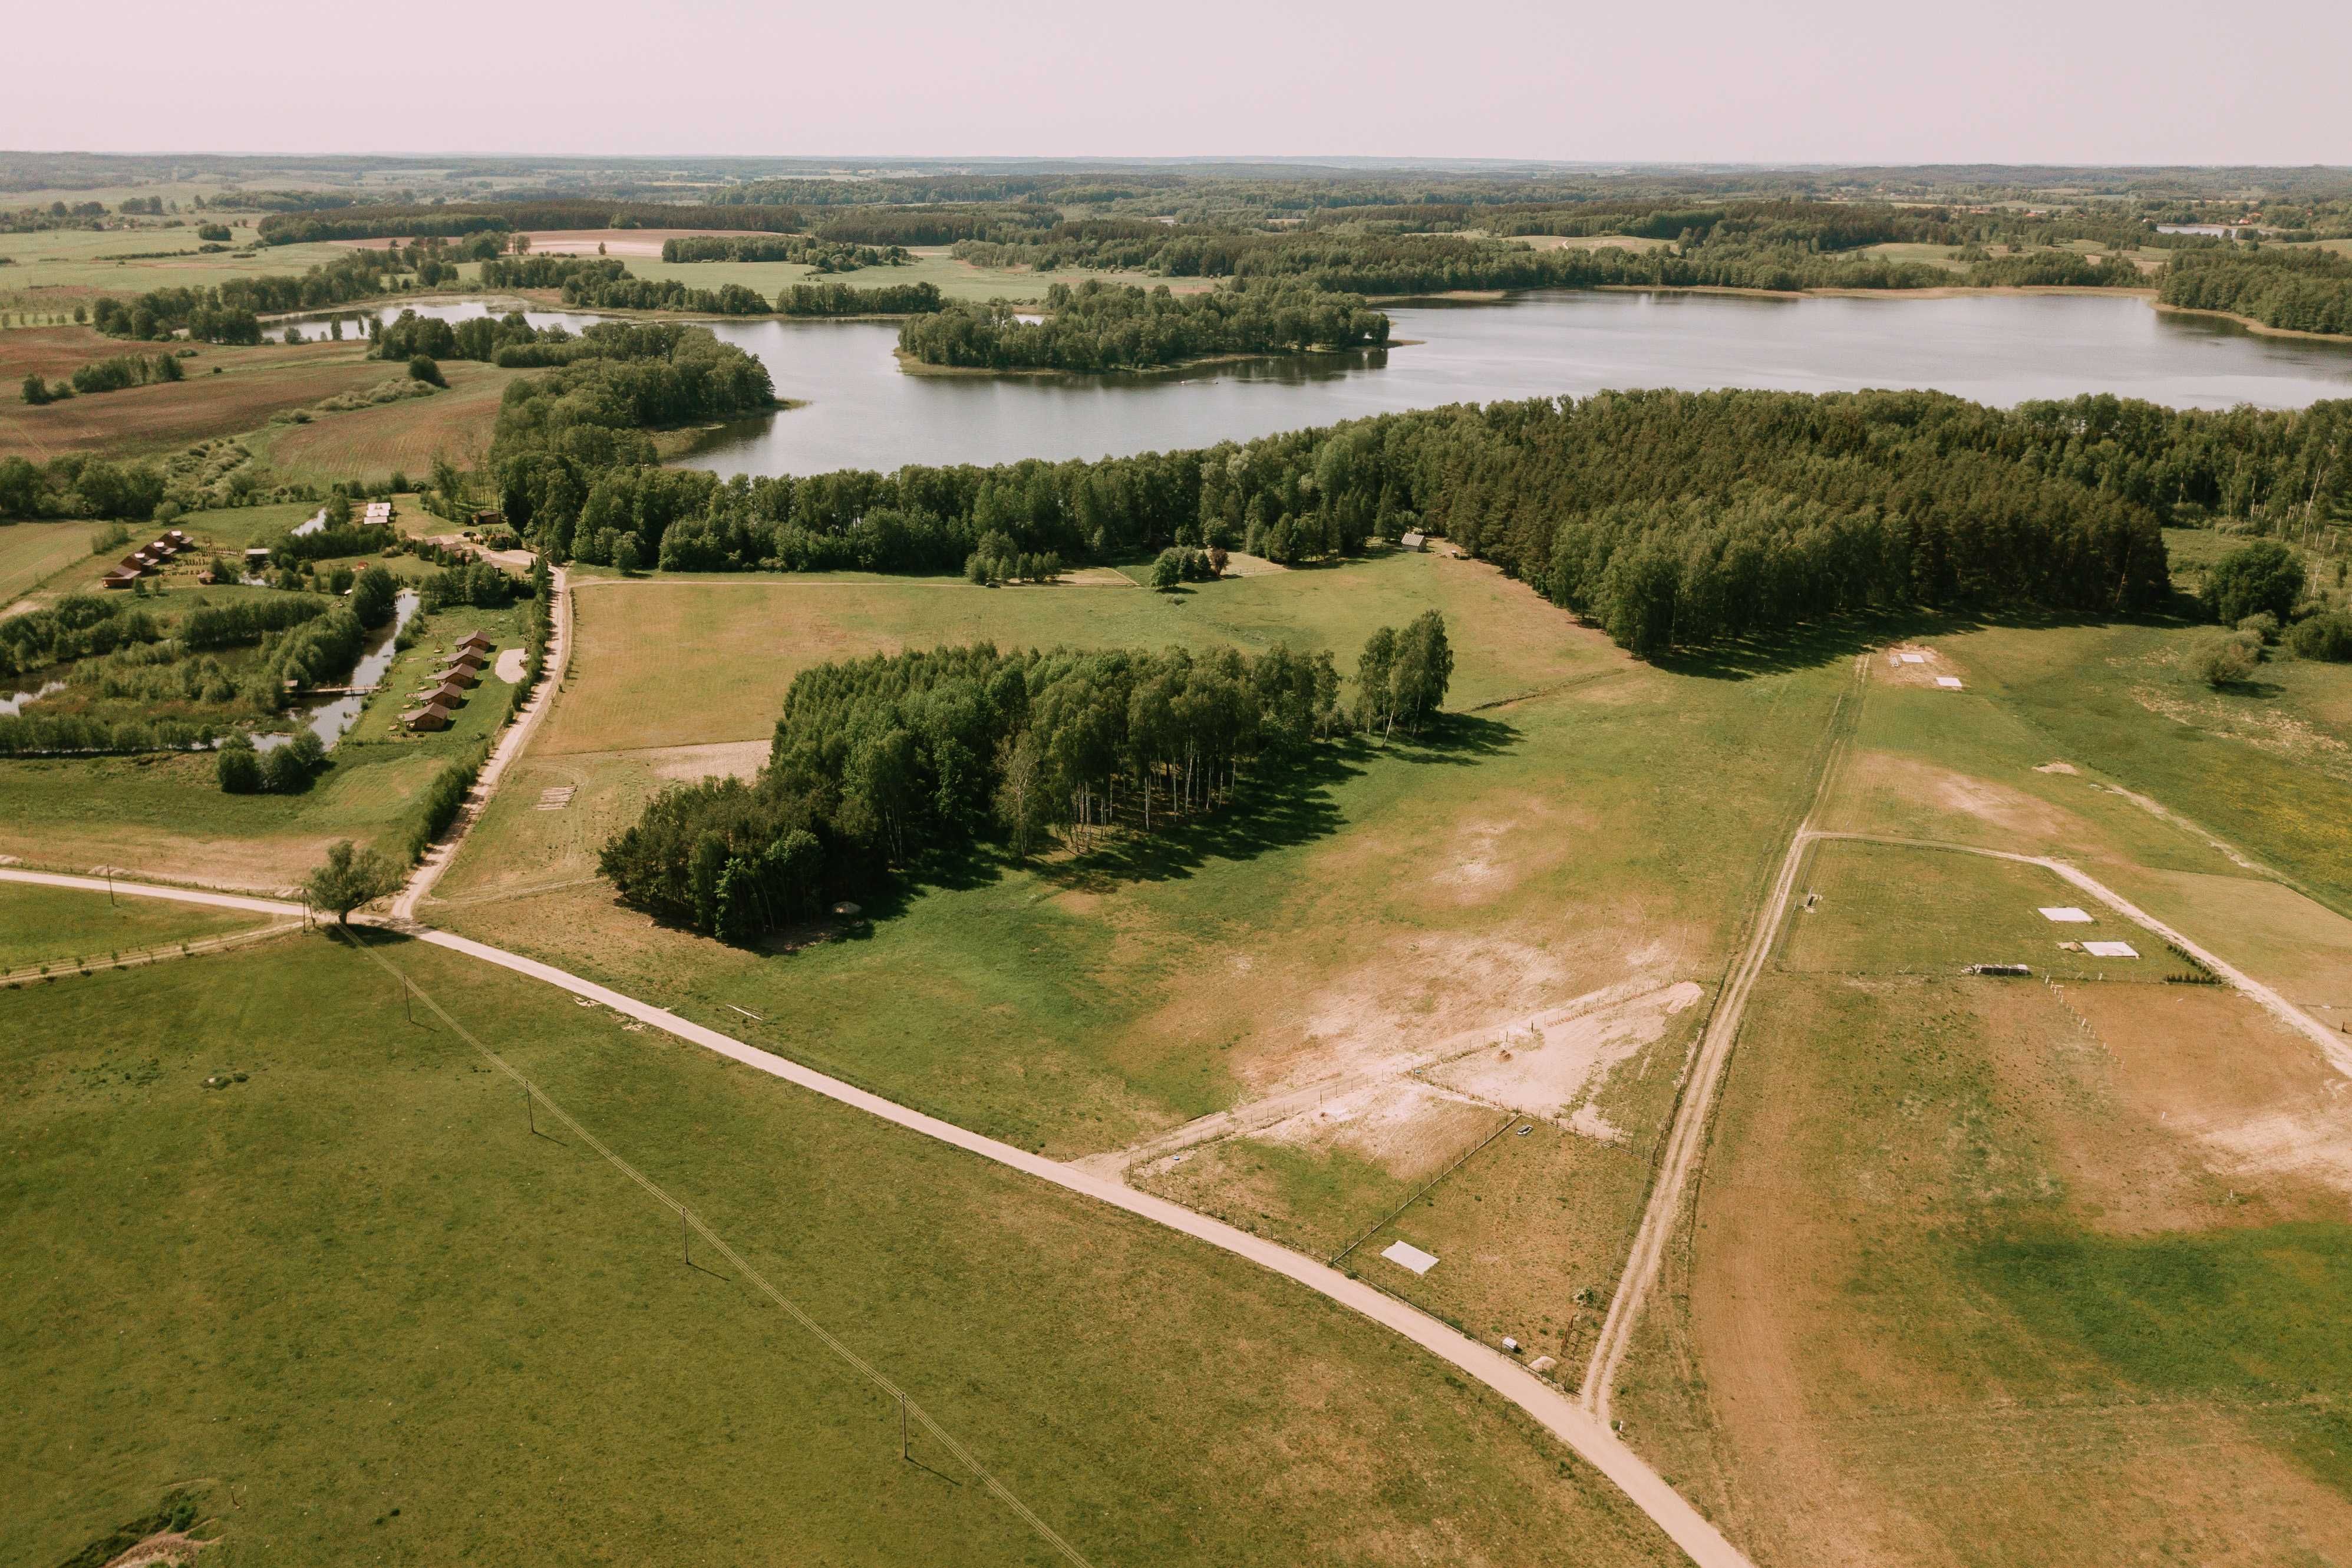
148,560
437,702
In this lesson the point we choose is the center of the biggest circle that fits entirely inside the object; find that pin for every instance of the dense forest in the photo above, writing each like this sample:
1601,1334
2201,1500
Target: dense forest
1099,326
1673,518
841,299
880,763
2297,290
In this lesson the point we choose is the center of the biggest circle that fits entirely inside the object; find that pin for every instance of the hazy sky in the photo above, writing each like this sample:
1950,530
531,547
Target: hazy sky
1728,80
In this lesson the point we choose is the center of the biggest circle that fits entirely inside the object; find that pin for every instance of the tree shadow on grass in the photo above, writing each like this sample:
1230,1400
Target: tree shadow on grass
1833,638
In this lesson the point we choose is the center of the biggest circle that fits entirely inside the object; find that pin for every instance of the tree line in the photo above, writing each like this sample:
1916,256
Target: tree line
111,375
228,312
457,219
824,255
2296,290
1099,326
878,764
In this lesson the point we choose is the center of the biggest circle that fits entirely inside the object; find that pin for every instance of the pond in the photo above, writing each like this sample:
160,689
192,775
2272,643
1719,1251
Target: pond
865,412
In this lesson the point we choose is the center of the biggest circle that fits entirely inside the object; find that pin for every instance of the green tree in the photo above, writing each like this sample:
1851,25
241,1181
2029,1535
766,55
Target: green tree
627,558
373,597
238,767
350,877
424,367
1168,570
2264,575
37,390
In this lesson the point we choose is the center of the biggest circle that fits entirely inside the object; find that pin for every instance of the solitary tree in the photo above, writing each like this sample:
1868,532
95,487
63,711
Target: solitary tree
2262,575
350,878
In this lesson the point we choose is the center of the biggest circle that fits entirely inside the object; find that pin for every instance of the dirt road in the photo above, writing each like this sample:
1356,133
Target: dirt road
1687,1137
509,746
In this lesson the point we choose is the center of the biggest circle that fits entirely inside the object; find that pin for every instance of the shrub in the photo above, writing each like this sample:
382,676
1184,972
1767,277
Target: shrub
2261,575
2225,661
2328,636
238,767
283,771
424,367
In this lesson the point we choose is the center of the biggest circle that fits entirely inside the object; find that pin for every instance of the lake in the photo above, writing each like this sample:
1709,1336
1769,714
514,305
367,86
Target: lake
865,412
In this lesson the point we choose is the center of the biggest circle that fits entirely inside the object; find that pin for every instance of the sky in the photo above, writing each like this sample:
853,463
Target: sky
1843,81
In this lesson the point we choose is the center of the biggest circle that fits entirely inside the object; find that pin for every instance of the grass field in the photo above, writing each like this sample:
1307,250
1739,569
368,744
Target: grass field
1991,1271
57,269
1593,824
255,382
32,553
63,929
353,1293
369,445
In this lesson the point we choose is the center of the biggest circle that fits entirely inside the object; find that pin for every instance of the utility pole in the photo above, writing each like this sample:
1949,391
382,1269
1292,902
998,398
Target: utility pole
905,1450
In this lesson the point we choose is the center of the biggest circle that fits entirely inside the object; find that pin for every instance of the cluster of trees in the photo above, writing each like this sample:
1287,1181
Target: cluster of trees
997,561
2296,290
841,299
484,337
824,255
76,485
1179,564
479,585
528,271
79,626
286,768
112,375
878,763
1099,326
229,312
246,621
332,538
621,292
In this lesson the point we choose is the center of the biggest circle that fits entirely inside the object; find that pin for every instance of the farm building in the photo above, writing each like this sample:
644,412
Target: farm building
1415,540
492,518
121,576
449,693
460,675
136,565
432,715
474,640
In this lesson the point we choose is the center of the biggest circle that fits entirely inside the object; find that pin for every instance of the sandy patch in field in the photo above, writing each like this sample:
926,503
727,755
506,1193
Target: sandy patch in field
2265,1113
1414,995
722,759
1913,783
510,667
1238,564
2066,767
1407,1128
1552,1070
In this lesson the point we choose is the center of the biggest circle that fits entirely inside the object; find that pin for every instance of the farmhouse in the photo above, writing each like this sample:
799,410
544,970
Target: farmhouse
432,715
449,693
121,576
474,640
459,675
378,515
136,565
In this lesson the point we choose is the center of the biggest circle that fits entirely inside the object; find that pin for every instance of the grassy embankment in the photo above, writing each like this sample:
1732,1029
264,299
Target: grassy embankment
355,1294
1380,903
1996,1271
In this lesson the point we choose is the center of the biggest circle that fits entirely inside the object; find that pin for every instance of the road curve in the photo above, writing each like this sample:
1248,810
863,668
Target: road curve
1585,1434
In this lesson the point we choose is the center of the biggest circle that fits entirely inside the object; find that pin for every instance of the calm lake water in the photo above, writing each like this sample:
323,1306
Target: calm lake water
865,412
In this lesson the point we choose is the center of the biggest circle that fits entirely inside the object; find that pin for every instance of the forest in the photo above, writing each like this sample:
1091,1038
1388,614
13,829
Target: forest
840,299
1675,519
1099,326
879,764
2294,290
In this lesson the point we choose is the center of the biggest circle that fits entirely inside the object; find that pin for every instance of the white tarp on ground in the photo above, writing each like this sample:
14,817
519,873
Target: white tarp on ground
1913,658
1949,683
2110,950
1405,1255
2066,914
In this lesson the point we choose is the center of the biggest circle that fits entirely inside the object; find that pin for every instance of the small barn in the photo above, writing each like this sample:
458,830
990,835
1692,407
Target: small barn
432,715
460,675
1415,541
477,641
471,658
449,693
121,576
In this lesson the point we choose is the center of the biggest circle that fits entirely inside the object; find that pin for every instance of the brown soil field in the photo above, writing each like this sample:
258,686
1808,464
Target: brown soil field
254,384
1827,1377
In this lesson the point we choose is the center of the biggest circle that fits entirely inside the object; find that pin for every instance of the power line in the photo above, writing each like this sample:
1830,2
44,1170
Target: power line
689,1220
